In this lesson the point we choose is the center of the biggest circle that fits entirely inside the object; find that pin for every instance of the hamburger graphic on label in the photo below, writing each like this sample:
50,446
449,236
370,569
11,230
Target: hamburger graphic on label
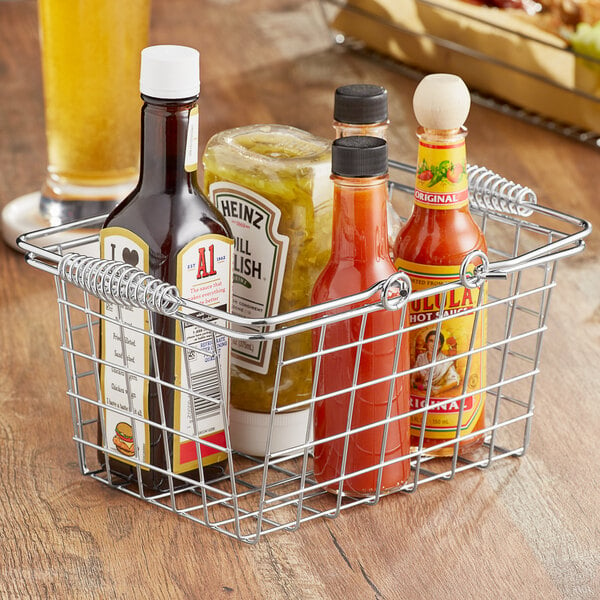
123,439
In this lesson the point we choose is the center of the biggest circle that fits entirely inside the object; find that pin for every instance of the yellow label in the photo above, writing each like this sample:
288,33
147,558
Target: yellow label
203,275
443,363
441,181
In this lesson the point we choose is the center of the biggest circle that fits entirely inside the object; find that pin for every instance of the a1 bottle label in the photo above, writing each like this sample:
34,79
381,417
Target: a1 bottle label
203,275
259,261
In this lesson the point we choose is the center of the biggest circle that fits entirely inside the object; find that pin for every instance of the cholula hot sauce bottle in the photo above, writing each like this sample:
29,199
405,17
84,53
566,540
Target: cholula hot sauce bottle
167,228
430,248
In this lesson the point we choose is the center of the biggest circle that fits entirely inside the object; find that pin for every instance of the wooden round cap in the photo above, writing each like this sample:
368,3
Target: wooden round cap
441,101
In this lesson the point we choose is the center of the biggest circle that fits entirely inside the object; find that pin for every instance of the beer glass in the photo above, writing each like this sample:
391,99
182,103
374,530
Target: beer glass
90,65
90,51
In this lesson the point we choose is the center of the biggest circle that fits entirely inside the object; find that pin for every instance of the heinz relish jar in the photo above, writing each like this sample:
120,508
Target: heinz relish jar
271,182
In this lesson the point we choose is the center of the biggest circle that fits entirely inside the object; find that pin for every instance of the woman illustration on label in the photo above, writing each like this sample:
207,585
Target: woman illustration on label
445,376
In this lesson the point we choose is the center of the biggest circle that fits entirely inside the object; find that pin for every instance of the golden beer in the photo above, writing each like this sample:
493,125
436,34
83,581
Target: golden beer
91,63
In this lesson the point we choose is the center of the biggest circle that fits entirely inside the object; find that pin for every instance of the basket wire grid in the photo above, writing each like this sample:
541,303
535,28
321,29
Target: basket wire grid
253,496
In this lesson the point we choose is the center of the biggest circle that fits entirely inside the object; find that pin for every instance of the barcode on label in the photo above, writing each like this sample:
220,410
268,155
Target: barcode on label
207,384
205,358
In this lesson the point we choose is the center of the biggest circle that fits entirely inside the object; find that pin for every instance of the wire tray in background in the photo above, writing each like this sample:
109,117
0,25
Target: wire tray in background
255,496
510,81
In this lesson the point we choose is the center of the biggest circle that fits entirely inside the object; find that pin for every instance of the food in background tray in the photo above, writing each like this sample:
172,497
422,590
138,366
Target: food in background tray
506,53
560,17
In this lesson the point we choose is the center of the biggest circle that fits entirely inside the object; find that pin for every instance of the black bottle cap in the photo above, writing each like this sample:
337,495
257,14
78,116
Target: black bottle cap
359,156
360,104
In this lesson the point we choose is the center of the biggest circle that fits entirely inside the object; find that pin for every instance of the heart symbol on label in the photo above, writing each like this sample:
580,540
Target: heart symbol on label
131,257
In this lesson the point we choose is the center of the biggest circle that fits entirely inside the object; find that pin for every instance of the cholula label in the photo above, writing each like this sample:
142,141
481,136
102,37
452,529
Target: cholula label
441,359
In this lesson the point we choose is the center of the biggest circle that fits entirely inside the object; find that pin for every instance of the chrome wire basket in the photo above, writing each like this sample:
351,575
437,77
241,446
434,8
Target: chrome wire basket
253,496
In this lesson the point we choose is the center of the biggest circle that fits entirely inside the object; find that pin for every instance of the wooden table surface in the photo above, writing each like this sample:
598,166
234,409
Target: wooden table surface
527,528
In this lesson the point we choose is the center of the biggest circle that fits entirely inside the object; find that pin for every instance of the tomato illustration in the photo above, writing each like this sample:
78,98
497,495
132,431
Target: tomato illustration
455,173
425,175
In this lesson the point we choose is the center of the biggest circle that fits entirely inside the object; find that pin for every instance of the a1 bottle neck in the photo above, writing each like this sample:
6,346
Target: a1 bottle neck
360,219
168,157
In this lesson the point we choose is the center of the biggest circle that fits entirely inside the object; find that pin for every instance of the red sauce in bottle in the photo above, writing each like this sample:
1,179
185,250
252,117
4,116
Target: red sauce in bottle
359,259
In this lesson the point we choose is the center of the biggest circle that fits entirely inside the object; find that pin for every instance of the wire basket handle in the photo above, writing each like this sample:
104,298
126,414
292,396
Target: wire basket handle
119,283
396,291
489,191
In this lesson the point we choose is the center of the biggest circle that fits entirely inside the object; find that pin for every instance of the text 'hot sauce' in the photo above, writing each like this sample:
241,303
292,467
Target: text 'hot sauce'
430,248
358,421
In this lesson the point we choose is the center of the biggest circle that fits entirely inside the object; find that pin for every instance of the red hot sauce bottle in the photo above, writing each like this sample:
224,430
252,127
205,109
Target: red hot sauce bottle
362,109
359,259
430,248
167,228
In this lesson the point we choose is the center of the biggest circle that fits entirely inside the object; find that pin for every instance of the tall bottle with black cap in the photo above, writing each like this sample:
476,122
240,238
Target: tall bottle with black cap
167,228
359,259
362,109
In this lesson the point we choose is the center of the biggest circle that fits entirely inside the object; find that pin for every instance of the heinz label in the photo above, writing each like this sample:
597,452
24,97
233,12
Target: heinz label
259,260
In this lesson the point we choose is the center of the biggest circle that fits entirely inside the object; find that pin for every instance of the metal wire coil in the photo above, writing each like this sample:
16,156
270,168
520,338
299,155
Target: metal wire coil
119,283
489,191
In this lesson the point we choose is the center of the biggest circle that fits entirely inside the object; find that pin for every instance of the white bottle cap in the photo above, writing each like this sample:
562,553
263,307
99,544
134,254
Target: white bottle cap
249,431
441,101
170,72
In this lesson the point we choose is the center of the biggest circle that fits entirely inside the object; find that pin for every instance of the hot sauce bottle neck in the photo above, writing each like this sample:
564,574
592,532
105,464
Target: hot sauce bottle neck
442,136
360,175
441,104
